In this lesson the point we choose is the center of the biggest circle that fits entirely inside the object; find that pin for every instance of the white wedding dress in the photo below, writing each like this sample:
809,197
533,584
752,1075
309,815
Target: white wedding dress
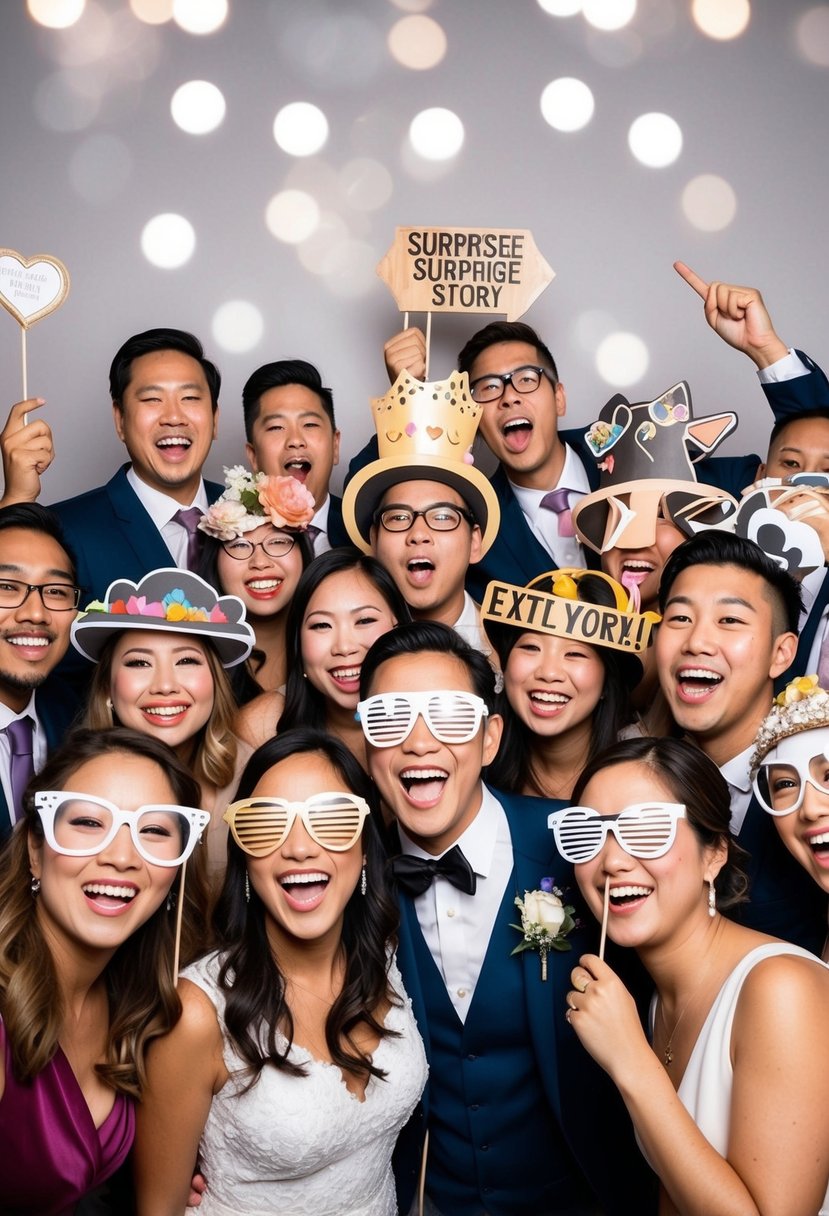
705,1089
306,1146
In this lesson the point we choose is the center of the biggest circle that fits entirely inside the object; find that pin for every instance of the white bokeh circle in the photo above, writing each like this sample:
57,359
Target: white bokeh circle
417,42
200,16
812,35
622,359
238,326
721,19
655,140
168,240
436,133
567,104
709,202
609,14
198,107
300,128
292,216
56,14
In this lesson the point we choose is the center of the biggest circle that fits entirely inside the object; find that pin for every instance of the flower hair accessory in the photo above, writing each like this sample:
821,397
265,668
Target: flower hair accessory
545,921
252,499
802,705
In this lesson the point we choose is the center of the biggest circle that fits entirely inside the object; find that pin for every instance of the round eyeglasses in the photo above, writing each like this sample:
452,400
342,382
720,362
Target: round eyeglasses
522,379
56,597
440,517
79,825
275,546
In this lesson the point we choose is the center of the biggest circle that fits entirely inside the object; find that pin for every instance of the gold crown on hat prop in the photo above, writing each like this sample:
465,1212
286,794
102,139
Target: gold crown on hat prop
436,418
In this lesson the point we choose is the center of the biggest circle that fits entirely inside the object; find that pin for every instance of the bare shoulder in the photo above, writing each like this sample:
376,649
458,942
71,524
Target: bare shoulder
783,991
198,1027
255,722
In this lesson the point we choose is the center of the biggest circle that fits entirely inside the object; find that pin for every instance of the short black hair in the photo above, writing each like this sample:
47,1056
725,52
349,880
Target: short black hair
147,343
421,637
713,548
505,331
36,518
279,375
807,416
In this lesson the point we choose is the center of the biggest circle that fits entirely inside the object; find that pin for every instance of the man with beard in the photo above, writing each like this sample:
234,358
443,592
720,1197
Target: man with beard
38,599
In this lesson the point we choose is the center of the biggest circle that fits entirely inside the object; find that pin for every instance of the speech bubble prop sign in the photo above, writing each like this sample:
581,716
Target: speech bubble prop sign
31,288
475,270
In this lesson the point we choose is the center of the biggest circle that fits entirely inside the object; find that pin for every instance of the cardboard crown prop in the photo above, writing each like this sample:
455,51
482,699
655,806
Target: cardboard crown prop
424,433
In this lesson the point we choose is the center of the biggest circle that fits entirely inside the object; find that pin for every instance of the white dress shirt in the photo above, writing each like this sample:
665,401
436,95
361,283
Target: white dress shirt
736,773
321,543
8,716
469,626
564,550
457,927
161,509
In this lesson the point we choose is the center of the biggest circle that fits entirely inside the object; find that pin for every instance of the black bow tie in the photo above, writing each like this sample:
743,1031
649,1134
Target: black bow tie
415,874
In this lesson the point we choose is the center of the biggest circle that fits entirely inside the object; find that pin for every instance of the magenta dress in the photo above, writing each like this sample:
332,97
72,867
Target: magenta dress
51,1153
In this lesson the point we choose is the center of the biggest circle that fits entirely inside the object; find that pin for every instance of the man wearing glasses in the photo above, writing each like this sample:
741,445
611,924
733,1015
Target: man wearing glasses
38,601
520,1121
543,472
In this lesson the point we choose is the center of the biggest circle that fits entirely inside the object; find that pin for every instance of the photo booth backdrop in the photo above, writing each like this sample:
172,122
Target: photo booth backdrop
275,236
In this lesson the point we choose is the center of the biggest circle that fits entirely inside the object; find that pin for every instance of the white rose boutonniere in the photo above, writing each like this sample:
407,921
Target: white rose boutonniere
545,921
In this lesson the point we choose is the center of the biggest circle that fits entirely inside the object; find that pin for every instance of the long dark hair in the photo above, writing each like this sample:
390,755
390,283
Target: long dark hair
142,998
695,781
513,769
256,1011
304,704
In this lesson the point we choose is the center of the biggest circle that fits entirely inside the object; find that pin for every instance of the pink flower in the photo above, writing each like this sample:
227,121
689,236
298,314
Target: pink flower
286,502
222,518
137,606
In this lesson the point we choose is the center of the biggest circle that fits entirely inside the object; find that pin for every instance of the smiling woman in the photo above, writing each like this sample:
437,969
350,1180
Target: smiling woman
297,1034
87,887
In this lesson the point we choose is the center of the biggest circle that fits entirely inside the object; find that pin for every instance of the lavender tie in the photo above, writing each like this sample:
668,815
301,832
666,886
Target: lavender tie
19,735
189,520
558,501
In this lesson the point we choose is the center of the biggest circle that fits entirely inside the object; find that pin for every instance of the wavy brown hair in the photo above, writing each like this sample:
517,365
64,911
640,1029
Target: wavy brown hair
214,746
140,984
256,1012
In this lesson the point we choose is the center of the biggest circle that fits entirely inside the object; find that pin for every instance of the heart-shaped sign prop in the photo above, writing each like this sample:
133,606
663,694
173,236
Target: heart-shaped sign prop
31,288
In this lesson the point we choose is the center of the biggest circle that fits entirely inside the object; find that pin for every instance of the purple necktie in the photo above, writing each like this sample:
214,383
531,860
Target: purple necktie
189,520
558,501
19,735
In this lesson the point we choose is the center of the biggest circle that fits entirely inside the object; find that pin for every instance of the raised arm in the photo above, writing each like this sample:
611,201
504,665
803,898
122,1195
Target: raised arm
777,1162
185,1070
739,316
27,451
406,351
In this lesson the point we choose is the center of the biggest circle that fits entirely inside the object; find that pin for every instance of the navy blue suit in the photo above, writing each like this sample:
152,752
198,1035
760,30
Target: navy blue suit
337,534
57,705
520,1115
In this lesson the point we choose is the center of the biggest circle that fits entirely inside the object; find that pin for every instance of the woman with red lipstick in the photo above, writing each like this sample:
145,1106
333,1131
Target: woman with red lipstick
87,943
566,691
790,773
161,648
727,1097
256,547
297,1059
344,601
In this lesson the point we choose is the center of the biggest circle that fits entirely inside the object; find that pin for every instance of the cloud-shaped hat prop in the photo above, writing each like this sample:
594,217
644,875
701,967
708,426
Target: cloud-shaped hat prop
424,433
646,453
170,601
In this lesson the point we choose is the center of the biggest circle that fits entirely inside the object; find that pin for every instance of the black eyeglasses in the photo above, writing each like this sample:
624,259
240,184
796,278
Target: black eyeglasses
274,546
55,597
522,379
440,517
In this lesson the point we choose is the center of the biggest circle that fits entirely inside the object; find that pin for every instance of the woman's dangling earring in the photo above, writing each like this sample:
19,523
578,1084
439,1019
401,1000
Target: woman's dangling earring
247,888
34,887
712,899
363,883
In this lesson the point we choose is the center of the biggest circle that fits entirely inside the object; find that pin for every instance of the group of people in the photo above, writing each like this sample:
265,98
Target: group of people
456,846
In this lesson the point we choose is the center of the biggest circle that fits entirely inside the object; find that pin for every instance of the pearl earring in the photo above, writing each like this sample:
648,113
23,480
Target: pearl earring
712,898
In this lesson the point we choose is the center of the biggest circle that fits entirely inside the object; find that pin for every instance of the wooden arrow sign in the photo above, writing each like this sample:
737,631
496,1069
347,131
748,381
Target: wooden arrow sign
495,270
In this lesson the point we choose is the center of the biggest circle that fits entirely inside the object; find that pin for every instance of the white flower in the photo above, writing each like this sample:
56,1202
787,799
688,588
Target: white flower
544,909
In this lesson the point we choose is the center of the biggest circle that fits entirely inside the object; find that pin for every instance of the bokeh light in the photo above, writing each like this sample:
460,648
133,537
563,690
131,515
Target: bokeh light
366,184
655,140
709,202
812,36
61,104
238,326
300,128
200,16
609,14
436,134
417,42
560,8
168,241
412,6
100,168
622,359
721,19
198,107
56,14
292,216
322,253
567,104
352,270
152,12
